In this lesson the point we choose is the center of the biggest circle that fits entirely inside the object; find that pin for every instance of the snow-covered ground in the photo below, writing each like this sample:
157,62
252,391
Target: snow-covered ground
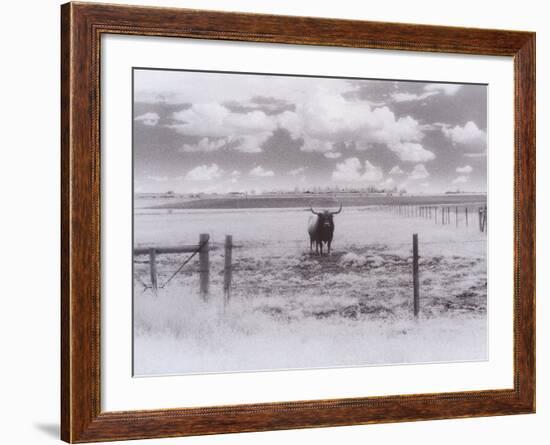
289,309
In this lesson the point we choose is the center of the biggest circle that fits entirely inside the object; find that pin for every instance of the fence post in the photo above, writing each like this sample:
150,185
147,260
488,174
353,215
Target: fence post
153,269
227,270
479,219
466,213
456,215
416,295
204,264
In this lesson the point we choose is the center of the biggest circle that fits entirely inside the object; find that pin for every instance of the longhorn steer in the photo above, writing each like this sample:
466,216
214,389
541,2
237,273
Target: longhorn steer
321,229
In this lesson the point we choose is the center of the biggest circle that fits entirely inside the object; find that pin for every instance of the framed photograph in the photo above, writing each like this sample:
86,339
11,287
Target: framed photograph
274,222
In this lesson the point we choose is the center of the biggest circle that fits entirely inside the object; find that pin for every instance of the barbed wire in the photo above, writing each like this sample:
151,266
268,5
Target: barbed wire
306,249
178,270
338,250
197,250
303,248
145,286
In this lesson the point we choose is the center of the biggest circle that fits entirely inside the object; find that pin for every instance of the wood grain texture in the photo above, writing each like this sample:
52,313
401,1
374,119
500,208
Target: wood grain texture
81,28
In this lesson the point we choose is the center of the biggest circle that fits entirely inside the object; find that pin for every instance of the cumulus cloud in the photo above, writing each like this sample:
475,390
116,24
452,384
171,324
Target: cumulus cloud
260,172
467,169
461,179
220,127
316,145
410,97
432,89
372,173
449,89
419,172
469,134
206,145
412,152
269,105
297,171
322,120
331,118
215,120
150,119
296,122
351,170
204,173
396,170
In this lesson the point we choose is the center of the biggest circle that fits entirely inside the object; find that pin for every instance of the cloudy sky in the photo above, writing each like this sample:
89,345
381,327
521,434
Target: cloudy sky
220,132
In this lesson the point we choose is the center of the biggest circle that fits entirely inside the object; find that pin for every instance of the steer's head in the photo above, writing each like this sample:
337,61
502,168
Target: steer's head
326,218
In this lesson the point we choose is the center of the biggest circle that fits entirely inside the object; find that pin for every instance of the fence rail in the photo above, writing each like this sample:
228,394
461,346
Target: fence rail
189,248
203,249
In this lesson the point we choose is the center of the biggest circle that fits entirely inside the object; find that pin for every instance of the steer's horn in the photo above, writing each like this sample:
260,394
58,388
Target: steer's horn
338,211
313,211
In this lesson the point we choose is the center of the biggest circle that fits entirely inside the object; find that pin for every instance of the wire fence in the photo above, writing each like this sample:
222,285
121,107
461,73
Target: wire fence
230,266
457,215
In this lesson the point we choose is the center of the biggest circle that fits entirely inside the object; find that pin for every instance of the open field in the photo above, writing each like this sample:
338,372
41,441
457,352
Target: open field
289,309
303,200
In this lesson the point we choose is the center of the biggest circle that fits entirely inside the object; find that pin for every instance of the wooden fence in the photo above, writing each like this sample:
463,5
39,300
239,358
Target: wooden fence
203,249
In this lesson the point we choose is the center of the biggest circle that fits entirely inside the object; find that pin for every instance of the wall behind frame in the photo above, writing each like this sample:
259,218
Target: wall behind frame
29,182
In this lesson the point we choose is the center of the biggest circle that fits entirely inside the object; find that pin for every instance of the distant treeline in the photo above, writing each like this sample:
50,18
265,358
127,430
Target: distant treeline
324,201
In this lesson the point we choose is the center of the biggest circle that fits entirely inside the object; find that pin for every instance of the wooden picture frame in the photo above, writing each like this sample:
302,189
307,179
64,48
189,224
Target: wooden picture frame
82,25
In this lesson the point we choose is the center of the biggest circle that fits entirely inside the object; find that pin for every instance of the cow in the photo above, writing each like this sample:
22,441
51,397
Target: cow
321,229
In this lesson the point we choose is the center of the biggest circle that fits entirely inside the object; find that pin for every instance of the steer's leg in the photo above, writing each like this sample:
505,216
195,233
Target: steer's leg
328,244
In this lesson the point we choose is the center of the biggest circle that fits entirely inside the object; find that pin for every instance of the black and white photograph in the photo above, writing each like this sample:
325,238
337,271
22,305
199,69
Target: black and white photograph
287,222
